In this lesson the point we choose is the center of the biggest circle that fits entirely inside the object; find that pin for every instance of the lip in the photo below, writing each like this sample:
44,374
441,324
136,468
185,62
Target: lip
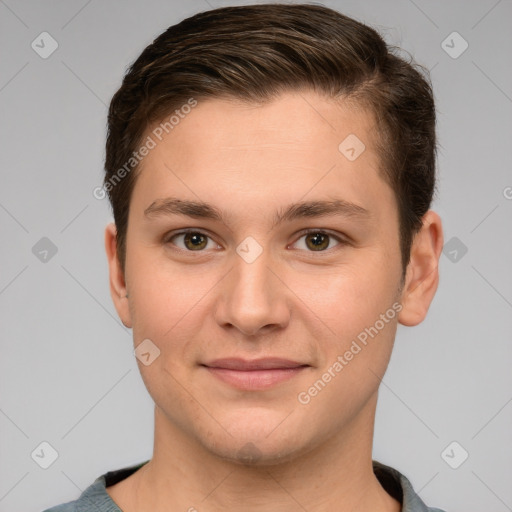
266,363
256,374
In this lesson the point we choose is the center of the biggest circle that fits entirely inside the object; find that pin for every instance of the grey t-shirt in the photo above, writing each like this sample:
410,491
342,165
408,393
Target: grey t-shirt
96,499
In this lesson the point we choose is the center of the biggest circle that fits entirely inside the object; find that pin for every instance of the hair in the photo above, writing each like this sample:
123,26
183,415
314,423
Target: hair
255,53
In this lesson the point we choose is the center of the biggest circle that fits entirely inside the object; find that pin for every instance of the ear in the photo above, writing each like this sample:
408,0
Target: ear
422,276
116,276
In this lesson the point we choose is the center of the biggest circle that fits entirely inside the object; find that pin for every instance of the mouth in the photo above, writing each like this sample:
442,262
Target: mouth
255,374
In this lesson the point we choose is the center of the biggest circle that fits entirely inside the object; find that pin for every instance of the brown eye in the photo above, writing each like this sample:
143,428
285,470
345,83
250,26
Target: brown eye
317,241
192,240
195,241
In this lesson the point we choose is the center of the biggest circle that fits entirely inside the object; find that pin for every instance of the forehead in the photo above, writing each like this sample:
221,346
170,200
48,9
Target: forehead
290,119
297,144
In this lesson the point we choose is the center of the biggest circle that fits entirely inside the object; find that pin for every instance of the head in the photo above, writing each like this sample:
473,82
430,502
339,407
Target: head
253,54
236,114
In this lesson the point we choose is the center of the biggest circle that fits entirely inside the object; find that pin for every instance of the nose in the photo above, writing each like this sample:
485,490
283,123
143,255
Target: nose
253,298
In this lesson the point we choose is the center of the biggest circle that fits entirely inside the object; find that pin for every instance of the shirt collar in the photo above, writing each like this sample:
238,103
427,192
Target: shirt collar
394,483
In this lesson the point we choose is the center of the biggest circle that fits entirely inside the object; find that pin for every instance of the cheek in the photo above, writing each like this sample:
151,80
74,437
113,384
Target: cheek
164,297
347,299
354,342
353,365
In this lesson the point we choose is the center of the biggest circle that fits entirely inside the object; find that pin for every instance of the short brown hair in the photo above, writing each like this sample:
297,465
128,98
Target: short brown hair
256,52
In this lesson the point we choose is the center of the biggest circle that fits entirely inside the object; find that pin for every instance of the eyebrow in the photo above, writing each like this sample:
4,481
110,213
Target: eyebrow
306,209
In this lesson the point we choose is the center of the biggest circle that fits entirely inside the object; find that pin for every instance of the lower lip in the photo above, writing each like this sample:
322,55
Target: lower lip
255,379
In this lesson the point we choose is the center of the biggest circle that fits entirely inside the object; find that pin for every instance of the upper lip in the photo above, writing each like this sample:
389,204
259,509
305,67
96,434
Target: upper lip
268,363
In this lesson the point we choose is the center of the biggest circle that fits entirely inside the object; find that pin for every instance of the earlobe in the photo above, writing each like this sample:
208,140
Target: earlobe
118,290
422,275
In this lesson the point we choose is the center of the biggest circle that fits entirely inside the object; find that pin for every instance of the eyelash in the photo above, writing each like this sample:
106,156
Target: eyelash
341,241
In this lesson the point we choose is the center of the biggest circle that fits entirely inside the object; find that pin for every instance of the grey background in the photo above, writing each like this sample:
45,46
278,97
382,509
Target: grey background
67,371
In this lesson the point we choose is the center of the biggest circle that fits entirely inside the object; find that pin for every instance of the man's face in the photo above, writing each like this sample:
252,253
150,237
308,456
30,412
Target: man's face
250,311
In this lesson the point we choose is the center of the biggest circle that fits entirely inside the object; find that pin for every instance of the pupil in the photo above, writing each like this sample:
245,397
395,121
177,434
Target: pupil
196,239
318,239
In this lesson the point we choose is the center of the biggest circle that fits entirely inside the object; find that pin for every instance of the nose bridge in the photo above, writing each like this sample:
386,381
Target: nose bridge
252,297
252,274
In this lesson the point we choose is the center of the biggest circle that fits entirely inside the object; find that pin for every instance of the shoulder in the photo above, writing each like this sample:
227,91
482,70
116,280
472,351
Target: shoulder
398,486
95,498
65,507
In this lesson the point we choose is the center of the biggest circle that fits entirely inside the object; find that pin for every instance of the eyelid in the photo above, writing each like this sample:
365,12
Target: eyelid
168,236
342,240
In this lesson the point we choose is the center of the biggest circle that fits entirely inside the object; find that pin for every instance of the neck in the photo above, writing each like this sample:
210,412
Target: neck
336,475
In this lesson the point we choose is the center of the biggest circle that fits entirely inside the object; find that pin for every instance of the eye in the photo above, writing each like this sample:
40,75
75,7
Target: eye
192,240
318,241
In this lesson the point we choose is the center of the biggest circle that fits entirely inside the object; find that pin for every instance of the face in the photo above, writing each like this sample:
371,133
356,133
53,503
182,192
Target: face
274,309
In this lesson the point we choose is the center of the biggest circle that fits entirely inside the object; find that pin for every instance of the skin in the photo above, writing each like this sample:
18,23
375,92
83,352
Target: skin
292,302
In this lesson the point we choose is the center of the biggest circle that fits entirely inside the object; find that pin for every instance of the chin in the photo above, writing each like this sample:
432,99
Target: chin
252,443
253,454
